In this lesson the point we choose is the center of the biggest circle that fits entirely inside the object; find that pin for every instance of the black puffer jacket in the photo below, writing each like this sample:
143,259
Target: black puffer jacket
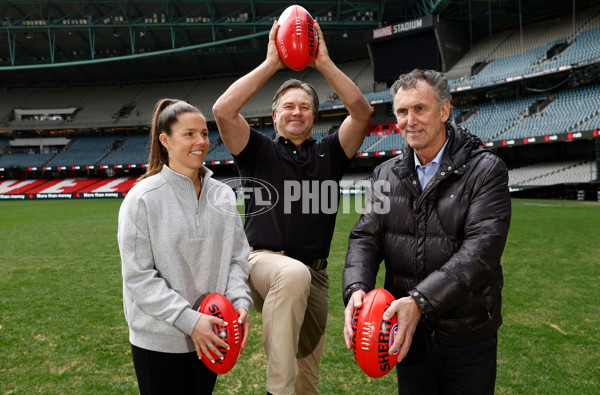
442,246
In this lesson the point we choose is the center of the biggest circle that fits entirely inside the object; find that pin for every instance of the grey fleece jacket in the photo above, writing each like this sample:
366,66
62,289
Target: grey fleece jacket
175,249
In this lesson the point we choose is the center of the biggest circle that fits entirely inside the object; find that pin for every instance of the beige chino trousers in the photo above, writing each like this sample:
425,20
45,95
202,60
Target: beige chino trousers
294,301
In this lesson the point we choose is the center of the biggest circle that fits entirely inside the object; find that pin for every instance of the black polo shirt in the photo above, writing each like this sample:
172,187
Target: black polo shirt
291,195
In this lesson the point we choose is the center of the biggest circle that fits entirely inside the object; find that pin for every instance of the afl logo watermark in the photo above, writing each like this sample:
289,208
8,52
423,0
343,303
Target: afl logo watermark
265,196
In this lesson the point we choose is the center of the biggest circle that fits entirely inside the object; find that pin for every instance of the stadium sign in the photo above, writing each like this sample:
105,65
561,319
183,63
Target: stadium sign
12,196
400,29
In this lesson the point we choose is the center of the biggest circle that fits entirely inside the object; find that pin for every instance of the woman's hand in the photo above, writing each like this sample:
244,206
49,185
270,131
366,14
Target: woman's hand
206,340
244,321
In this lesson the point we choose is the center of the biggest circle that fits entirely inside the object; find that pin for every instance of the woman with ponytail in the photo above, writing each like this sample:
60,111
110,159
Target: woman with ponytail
180,238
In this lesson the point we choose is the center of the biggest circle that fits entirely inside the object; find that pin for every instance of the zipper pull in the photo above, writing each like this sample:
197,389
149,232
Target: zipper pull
197,221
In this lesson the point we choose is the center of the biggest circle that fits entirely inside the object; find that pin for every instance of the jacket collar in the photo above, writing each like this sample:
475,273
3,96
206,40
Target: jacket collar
462,144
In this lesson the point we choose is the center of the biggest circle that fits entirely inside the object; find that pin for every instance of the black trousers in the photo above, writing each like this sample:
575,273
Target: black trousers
462,370
168,373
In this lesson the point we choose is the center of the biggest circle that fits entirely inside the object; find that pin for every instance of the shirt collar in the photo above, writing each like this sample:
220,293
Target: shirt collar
281,140
435,160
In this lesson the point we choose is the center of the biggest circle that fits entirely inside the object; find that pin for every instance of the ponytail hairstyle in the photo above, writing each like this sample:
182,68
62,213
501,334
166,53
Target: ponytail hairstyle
166,112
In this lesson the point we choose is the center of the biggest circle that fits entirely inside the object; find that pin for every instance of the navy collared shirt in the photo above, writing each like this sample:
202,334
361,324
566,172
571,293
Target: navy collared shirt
291,194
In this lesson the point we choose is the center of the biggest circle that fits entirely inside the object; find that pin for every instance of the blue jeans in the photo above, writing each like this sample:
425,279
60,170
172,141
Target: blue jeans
461,370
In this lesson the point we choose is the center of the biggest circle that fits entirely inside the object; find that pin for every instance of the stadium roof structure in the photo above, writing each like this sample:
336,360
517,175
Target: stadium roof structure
83,42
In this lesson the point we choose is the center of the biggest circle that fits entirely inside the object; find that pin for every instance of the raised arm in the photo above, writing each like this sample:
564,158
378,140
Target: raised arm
353,129
233,128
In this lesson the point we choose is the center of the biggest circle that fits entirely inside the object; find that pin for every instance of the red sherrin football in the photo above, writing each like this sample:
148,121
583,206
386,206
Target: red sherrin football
219,306
297,41
373,336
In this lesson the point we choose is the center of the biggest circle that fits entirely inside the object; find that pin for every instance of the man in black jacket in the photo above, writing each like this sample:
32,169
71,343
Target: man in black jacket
438,215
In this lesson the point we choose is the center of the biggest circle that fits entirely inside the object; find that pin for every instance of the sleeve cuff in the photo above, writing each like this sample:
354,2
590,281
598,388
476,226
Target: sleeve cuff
244,306
428,311
187,321
350,290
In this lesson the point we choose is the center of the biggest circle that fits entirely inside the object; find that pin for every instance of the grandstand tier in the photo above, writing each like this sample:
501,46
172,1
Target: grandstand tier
530,92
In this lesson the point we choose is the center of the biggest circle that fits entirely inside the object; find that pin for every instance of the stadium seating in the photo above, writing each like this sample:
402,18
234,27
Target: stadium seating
13,187
511,54
24,160
553,173
101,106
219,153
578,173
571,109
389,142
111,184
151,94
491,119
135,149
84,151
64,185
379,97
354,179
368,143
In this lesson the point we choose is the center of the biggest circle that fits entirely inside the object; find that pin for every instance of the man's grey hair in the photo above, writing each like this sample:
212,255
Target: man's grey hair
438,82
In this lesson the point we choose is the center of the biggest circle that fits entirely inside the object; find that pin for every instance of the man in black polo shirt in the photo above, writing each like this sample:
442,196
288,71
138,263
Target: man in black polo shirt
290,238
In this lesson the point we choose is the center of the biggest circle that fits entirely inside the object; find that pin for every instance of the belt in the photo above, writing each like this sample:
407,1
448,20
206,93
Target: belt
317,264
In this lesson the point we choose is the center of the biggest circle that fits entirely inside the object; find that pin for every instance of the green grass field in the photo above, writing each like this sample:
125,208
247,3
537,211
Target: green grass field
62,329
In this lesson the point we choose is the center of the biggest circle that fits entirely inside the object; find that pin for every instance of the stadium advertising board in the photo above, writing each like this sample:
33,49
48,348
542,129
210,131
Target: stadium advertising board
399,29
66,188
31,196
